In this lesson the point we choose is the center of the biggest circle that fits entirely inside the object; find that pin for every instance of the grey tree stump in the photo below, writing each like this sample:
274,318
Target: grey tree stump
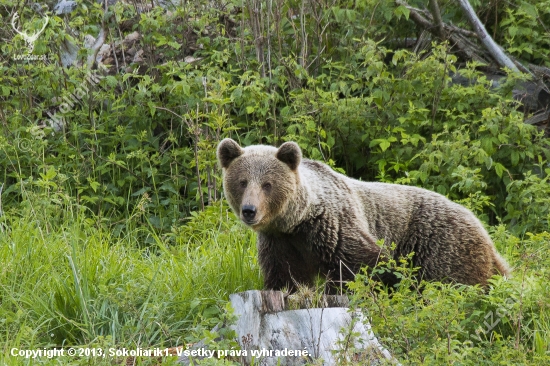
271,335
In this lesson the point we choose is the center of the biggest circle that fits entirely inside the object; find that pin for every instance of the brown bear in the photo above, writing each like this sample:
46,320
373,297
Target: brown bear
309,219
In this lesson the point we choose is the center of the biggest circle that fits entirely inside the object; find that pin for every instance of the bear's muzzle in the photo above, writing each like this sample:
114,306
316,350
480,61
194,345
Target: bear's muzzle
248,214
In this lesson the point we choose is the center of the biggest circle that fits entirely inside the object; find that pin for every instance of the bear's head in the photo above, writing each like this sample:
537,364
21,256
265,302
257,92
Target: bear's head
259,181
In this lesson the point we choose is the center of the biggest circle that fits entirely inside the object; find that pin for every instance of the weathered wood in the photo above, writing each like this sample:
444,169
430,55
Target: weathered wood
272,302
316,330
458,37
337,301
436,15
539,118
295,337
500,57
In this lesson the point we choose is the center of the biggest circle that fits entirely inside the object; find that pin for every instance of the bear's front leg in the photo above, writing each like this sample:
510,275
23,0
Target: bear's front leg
282,265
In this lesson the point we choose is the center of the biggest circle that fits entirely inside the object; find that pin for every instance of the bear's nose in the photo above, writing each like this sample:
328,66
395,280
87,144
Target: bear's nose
248,212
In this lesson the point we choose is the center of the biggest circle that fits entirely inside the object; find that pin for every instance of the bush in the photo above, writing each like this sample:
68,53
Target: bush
434,323
373,112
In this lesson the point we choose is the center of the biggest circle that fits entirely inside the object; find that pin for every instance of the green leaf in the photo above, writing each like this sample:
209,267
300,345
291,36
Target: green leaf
488,162
515,158
499,169
94,185
152,108
50,174
401,10
111,81
167,186
237,93
141,191
530,9
374,142
384,145
175,45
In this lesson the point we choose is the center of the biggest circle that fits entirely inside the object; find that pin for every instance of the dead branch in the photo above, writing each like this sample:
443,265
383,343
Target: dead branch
95,48
436,15
496,52
100,40
426,19
457,36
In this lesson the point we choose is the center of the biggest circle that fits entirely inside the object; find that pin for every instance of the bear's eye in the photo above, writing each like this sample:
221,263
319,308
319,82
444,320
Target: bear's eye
266,186
243,183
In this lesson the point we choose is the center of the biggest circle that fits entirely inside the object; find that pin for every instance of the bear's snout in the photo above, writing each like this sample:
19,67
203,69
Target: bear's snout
248,213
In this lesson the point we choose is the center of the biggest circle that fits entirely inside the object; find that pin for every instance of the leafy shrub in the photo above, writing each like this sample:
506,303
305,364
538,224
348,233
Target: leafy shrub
438,323
372,112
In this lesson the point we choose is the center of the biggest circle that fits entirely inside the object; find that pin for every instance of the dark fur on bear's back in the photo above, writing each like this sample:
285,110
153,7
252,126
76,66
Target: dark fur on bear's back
310,218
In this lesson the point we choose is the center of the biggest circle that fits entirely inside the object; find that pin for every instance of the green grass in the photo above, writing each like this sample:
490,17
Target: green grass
74,284
66,280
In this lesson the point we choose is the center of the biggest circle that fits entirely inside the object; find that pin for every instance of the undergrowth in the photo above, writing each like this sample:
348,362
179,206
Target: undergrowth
73,284
431,323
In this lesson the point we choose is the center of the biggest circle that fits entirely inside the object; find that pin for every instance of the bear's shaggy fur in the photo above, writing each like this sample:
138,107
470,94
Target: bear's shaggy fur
309,218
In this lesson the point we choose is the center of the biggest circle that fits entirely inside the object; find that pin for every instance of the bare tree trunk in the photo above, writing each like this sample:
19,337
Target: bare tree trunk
255,13
436,14
303,52
496,52
196,153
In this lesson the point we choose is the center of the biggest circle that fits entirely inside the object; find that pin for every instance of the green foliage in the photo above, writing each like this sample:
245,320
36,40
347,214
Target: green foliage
434,323
112,230
528,202
221,337
143,140
524,30
75,284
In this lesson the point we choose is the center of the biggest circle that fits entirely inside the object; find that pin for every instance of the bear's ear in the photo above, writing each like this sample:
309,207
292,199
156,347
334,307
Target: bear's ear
290,154
228,150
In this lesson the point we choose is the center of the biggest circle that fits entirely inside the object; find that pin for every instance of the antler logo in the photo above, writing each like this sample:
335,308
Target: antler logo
29,39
